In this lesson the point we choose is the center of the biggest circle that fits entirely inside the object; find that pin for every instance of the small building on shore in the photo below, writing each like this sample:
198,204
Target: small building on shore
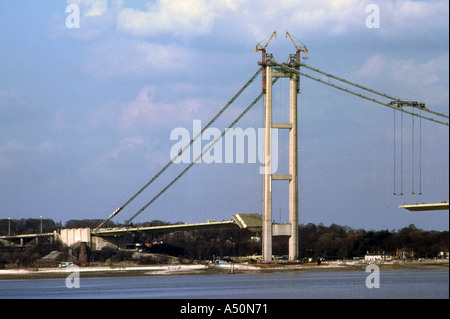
53,259
378,256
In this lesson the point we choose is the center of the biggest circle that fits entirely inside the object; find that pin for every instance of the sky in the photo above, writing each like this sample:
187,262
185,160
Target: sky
87,108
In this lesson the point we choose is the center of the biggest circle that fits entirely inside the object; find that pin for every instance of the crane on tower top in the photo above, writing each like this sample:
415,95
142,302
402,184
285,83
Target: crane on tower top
260,47
302,48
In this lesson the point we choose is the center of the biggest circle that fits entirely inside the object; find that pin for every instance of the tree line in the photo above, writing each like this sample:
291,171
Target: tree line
330,242
344,242
315,241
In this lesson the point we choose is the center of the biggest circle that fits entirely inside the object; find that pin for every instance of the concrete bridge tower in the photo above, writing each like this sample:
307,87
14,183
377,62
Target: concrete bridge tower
271,71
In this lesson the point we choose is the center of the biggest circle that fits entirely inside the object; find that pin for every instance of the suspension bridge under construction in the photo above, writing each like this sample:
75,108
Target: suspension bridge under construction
271,71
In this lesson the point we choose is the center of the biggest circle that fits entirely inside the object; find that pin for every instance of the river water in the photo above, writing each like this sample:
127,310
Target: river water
410,284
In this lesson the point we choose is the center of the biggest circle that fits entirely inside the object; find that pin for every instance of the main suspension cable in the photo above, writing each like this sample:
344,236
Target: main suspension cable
391,105
197,159
417,105
184,149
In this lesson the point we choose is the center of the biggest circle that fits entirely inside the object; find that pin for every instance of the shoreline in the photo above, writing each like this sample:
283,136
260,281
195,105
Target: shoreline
198,269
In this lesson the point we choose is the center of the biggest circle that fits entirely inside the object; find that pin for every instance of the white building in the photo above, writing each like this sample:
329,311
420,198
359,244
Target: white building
375,257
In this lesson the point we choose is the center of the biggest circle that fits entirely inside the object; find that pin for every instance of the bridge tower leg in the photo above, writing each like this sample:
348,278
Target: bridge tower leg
267,179
267,232
293,166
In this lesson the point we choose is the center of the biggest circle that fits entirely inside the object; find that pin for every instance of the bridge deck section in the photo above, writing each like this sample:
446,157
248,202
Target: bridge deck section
425,207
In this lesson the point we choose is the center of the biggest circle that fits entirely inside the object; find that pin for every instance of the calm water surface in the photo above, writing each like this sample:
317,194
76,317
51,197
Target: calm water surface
299,285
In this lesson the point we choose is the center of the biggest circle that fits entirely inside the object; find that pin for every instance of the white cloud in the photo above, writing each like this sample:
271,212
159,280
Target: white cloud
92,8
136,58
256,19
9,96
127,144
46,147
422,81
372,67
98,8
12,146
16,153
336,17
10,101
179,17
330,17
145,112
415,15
97,17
